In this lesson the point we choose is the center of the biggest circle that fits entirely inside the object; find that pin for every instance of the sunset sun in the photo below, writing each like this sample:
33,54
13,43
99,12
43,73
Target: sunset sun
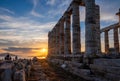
44,50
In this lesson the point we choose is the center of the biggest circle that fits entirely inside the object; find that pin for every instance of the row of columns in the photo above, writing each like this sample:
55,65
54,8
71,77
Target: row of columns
115,36
63,33
116,40
59,38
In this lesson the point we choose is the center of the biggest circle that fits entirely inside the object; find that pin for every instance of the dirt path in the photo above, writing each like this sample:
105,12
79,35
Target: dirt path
43,71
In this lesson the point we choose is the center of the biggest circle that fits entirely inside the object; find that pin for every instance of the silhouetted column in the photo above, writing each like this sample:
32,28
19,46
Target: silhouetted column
106,42
119,21
67,34
90,30
76,28
97,11
52,44
49,43
116,39
62,36
54,41
57,38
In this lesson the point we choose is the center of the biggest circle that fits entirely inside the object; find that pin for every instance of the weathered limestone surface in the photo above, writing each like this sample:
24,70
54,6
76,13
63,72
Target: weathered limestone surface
108,69
105,69
84,73
76,28
98,39
62,46
57,39
107,62
67,42
54,51
90,30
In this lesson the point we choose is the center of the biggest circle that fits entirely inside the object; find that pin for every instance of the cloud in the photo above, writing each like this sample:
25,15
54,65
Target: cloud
51,2
13,26
5,10
33,12
39,43
19,49
108,9
59,8
36,14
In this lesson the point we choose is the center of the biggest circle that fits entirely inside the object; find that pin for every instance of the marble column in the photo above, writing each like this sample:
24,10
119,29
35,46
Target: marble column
116,39
57,39
98,40
54,51
76,42
106,42
62,36
49,43
90,29
67,42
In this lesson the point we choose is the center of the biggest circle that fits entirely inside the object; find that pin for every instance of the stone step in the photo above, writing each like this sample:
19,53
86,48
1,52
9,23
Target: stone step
83,73
105,69
75,64
107,62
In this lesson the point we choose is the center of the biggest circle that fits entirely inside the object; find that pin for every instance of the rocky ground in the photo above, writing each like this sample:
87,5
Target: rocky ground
44,71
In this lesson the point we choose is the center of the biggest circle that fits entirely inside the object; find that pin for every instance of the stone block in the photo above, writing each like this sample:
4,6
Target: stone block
105,69
107,62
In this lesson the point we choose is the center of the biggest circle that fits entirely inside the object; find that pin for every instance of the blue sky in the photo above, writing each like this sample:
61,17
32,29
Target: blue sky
25,23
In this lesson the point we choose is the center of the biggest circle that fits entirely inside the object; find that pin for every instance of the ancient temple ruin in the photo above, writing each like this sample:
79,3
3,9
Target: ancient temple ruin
59,44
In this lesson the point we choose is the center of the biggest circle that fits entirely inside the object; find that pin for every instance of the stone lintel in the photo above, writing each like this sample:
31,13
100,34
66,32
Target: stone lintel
116,25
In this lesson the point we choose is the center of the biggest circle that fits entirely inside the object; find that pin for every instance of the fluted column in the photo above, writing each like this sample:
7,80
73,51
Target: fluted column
98,40
90,29
57,38
76,28
49,43
116,39
52,44
106,42
62,36
67,42
53,41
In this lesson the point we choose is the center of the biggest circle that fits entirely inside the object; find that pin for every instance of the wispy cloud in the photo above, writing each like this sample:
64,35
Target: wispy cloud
36,14
51,2
19,49
6,10
23,31
33,12
59,7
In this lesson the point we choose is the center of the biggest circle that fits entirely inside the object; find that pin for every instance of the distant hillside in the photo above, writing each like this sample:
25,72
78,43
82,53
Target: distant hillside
4,54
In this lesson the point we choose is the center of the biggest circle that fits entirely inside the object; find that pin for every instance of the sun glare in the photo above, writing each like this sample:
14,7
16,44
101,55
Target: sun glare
44,50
